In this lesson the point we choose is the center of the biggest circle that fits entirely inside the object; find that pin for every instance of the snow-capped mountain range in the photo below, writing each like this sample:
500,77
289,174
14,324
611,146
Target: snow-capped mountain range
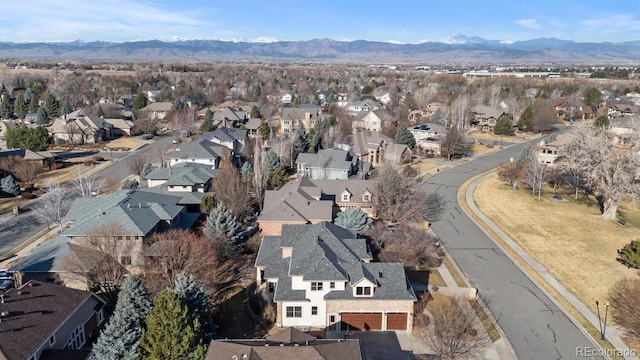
456,49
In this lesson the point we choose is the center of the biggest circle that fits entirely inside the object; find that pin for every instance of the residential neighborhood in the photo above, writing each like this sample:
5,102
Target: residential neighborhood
283,215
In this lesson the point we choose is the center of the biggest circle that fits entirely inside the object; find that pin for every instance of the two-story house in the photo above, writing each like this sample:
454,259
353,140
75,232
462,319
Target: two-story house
44,321
551,152
484,118
327,164
372,147
292,118
157,110
373,120
307,201
321,276
231,138
363,106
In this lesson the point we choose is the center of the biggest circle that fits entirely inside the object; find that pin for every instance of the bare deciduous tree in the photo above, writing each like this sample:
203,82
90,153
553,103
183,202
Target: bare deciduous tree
73,132
28,171
510,172
544,115
610,172
54,204
8,164
136,164
183,121
232,191
458,110
406,243
398,198
178,252
534,175
453,143
86,184
452,329
259,178
101,258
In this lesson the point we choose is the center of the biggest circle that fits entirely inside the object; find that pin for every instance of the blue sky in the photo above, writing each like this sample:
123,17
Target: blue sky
405,21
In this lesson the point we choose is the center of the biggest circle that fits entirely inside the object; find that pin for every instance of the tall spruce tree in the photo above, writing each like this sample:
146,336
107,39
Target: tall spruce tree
42,117
66,108
52,105
193,296
525,123
207,124
140,101
6,108
300,141
404,136
170,331
221,222
20,107
504,126
121,336
34,104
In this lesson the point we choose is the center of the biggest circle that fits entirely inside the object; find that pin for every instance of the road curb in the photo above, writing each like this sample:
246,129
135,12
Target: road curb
470,185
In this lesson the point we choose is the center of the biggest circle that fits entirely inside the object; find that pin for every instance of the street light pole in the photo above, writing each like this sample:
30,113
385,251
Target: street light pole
606,312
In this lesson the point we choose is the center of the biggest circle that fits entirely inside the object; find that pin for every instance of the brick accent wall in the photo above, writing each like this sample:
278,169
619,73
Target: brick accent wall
274,228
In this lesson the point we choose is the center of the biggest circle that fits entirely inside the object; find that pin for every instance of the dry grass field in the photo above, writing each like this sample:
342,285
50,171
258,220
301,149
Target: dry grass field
124,142
569,238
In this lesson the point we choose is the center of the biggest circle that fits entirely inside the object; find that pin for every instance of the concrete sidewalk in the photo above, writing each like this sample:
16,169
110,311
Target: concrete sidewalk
612,337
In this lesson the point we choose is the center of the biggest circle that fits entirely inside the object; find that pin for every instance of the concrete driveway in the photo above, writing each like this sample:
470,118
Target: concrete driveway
384,345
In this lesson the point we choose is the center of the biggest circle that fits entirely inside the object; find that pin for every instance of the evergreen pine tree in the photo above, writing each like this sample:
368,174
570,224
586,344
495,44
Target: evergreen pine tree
52,106
6,108
503,126
10,186
221,222
66,108
121,336
354,219
439,117
170,331
526,120
255,112
193,296
404,136
140,101
34,104
300,141
264,129
41,117
20,107
246,171
315,143
271,161
207,124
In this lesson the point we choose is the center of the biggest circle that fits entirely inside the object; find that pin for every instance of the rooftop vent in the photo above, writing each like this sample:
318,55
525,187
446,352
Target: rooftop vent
379,274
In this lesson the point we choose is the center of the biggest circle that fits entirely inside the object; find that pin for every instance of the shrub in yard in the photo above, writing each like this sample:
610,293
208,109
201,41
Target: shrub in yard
624,297
28,196
97,158
56,165
629,255
129,184
10,186
89,162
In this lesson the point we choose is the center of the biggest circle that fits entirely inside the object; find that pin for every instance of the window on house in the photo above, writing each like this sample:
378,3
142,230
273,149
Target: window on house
332,318
316,286
52,339
77,339
366,197
363,291
314,310
286,130
100,316
125,260
345,197
294,311
332,285
287,122
271,286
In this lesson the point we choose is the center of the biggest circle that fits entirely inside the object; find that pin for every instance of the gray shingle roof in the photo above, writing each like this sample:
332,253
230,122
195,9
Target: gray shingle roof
327,252
35,312
202,149
184,174
292,203
46,257
137,211
327,159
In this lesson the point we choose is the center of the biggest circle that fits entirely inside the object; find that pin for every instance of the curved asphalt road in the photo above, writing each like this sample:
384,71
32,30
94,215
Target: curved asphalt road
535,326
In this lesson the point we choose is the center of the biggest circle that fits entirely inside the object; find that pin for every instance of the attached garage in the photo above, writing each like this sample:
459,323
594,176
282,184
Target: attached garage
397,321
361,321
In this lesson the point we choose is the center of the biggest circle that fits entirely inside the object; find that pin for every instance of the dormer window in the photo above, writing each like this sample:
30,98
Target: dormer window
345,197
363,291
